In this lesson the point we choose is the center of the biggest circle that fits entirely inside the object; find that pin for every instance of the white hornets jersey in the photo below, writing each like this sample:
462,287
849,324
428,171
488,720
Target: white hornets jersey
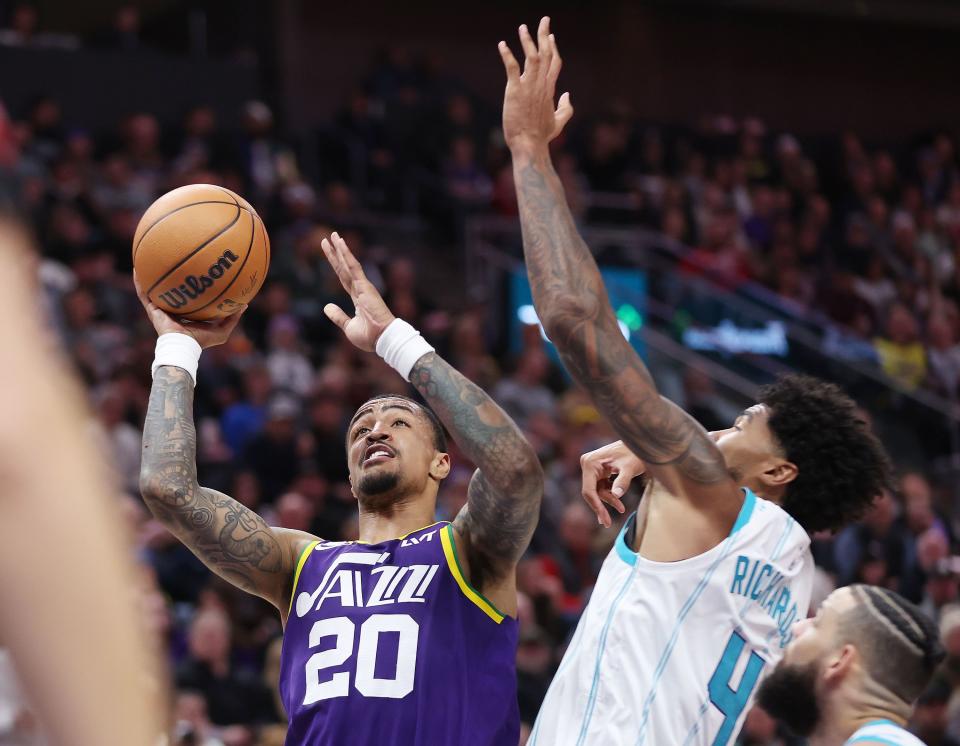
670,653
884,731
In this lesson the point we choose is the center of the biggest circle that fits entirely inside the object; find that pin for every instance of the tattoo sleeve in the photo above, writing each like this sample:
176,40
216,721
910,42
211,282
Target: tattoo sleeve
572,303
503,499
231,540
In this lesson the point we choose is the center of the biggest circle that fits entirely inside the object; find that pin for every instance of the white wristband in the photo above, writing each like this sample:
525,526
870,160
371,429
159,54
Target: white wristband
401,346
177,349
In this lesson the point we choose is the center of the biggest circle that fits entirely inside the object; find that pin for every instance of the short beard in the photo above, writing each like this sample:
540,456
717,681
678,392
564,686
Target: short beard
789,695
375,491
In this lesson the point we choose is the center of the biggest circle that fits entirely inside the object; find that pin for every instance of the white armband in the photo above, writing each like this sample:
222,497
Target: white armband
177,349
401,346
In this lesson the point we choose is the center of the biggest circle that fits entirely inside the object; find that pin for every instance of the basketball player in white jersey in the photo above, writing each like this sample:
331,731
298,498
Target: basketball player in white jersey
852,674
697,600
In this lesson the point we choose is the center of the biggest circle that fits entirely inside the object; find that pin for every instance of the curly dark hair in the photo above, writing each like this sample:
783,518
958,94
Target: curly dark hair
842,466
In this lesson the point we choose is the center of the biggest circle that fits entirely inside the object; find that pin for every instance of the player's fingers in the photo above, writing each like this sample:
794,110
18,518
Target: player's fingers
612,499
347,259
139,290
543,44
591,476
596,505
564,110
622,483
510,63
229,323
555,61
531,63
333,258
337,315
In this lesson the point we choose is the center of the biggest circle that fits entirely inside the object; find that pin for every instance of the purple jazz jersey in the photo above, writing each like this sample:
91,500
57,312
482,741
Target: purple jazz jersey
388,644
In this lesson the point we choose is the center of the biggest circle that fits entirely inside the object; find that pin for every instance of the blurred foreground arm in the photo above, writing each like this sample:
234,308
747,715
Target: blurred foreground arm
68,603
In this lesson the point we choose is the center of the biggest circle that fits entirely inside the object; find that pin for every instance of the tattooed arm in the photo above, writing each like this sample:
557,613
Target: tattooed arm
231,540
572,303
503,498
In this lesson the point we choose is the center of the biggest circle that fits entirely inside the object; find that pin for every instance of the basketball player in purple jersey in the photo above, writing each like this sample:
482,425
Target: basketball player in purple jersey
408,635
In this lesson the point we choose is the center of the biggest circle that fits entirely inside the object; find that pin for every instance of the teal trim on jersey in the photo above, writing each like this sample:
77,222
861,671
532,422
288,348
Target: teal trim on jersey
877,739
749,502
623,551
675,635
592,699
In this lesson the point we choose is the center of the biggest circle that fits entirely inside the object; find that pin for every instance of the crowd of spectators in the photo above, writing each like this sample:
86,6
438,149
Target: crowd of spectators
867,235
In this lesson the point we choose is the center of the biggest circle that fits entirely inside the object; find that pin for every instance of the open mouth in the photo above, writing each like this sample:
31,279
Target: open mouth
377,454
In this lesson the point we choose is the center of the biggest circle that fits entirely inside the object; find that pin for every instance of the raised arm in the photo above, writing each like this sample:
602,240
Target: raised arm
231,540
503,501
571,300
503,498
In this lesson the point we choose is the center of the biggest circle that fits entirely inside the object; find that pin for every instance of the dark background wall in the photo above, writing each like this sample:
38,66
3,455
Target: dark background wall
801,71
884,68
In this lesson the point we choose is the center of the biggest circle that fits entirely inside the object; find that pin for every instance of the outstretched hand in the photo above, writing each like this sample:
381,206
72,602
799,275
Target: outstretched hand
530,118
607,473
372,315
207,333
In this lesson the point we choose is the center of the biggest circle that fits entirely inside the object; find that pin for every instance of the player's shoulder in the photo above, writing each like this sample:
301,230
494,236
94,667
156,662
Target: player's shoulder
768,524
885,733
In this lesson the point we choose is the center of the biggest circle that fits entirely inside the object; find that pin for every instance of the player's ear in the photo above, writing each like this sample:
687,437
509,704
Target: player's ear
839,664
440,466
352,491
779,473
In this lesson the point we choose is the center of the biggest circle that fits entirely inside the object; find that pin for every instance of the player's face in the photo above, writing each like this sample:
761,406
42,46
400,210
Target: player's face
794,691
813,638
390,450
751,454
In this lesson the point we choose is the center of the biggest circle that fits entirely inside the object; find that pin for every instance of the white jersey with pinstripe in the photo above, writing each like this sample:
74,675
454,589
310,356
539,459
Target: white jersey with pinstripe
672,652
886,732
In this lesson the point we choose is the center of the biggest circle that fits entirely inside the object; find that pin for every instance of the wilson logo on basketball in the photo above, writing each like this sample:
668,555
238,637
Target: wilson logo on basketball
194,286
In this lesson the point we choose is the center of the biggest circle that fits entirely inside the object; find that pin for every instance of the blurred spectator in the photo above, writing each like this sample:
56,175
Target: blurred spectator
289,367
243,420
24,31
574,555
929,720
876,549
902,356
273,454
524,392
267,163
124,34
121,439
943,354
230,697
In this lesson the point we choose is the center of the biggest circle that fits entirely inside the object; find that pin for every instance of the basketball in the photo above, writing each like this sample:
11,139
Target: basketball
200,251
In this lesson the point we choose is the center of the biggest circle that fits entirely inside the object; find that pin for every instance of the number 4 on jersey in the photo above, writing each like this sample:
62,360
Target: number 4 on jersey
725,698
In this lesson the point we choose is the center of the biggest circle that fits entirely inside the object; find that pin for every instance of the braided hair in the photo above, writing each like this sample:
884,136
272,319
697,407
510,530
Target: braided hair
899,644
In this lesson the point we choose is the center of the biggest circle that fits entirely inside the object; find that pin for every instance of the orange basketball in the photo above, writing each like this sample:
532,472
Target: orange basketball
200,251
